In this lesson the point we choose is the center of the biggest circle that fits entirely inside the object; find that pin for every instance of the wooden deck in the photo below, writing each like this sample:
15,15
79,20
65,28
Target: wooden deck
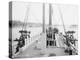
32,51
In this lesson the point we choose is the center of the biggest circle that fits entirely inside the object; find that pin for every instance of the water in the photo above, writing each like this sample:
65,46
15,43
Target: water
37,30
34,31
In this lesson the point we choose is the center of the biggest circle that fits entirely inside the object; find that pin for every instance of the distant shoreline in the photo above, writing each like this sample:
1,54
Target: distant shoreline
21,24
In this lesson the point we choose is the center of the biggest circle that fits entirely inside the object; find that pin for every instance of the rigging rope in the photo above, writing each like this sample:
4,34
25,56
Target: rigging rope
26,17
62,19
65,29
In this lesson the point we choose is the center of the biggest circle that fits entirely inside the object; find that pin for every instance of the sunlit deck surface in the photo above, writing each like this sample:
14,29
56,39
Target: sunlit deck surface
32,51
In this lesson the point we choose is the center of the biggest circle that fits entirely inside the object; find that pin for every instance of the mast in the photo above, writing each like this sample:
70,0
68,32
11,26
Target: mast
50,15
43,18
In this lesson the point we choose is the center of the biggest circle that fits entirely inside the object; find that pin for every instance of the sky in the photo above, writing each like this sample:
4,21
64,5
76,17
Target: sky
34,11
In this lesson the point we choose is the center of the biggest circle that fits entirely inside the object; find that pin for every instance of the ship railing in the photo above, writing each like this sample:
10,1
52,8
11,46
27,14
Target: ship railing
31,40
28,42
73,48
14,50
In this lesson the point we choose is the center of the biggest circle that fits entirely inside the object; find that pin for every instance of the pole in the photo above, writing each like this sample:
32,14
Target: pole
43,18
50,15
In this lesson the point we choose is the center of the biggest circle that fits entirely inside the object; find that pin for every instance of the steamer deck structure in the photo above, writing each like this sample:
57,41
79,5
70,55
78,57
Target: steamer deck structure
50,42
